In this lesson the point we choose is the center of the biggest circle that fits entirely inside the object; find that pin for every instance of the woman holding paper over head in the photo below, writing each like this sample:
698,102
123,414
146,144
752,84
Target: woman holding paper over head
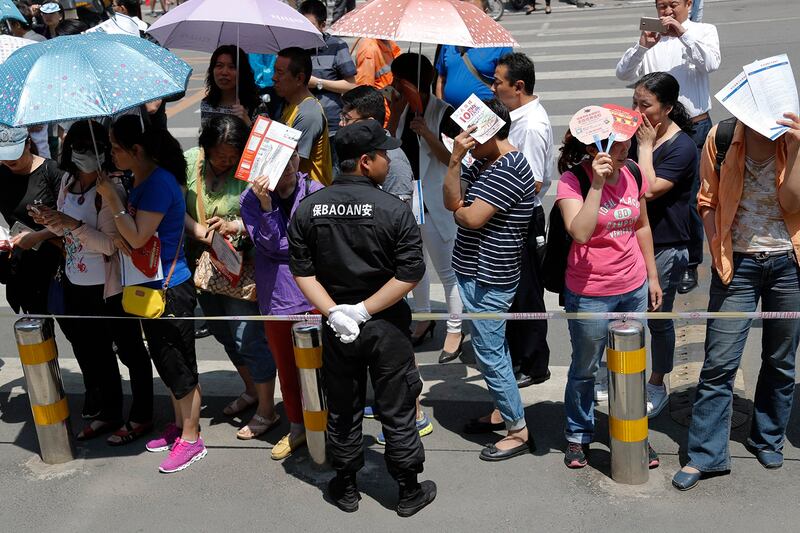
91,287
492,203
230,86
212,203
156,205
266,214
419,119
753,228
610,267
664,149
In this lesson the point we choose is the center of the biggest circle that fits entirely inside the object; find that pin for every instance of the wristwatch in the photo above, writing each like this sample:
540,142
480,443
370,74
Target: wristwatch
319,85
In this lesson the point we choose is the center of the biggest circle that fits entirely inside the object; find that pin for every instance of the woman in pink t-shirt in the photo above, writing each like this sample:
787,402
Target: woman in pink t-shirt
610,268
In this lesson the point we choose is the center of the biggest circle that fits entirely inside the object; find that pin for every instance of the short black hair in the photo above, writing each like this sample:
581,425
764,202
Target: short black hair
351,165
316,8
367,102
499,108
299,61
405,67
71,27
133,7
520,68
224,129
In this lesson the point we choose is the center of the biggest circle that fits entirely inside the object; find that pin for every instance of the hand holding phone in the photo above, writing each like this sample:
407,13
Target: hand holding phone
653,25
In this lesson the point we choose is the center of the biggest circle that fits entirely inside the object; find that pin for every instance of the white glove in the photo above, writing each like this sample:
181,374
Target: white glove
357,312
345,327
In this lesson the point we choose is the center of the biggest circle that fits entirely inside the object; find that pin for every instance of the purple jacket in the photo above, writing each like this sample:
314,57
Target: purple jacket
278,294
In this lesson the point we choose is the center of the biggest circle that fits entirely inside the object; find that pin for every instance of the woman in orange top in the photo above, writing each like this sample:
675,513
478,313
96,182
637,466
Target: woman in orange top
751,215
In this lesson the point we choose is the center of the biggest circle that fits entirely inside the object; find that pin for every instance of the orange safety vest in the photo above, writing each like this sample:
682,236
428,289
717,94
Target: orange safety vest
373,58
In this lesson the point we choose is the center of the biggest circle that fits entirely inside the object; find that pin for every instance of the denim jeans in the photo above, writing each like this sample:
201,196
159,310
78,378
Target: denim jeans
589,338
775,281
491,348
244,341
696,232
696,15
671,264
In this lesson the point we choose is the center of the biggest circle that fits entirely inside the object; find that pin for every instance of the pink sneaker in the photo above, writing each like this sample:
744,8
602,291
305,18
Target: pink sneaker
166,440
182,455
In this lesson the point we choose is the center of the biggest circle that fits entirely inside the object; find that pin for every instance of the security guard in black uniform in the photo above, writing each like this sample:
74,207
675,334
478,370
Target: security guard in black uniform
355,252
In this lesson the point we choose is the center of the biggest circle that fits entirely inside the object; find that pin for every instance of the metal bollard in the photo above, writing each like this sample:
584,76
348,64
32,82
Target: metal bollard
627,402
39,357
308,357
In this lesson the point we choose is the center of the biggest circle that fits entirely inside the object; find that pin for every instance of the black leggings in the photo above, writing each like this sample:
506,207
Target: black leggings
93,345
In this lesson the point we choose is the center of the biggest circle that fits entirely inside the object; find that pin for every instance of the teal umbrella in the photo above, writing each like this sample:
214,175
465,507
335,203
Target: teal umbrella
86,76
8,11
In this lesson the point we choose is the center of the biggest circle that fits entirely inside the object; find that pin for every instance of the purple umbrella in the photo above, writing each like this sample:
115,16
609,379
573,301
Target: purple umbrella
256,26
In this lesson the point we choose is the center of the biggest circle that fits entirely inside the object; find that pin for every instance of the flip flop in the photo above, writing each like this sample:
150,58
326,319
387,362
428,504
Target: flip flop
128,433
253,430
244,401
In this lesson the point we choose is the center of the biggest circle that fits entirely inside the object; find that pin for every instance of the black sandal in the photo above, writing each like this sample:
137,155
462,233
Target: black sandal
127,433
530,9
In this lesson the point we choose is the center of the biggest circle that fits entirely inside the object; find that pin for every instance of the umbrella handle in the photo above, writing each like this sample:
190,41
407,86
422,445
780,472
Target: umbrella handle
94,145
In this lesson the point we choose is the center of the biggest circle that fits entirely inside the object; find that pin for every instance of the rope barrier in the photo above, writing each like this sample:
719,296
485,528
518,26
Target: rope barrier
549,315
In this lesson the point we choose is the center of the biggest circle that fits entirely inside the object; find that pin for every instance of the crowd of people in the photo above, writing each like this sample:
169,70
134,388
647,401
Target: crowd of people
338,236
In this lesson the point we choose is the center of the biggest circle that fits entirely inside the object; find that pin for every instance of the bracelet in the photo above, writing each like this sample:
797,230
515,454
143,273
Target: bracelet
123,212
242,229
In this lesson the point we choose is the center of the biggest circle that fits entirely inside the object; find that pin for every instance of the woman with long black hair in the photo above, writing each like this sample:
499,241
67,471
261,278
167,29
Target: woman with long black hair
230,86
156,205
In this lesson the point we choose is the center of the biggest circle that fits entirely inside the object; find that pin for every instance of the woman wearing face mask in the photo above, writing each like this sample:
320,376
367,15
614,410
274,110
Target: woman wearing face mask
156,204
266,215
27,180
610,268
222,97
662,148
212,202
92,287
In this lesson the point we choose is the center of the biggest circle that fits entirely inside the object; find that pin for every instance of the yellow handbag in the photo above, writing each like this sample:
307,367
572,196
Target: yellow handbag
147,302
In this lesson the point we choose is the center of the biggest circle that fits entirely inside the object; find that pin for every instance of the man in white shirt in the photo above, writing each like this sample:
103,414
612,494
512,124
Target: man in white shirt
530,133
690,52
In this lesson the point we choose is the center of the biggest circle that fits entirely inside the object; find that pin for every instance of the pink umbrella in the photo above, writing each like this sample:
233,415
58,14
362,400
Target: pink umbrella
256,26
425,21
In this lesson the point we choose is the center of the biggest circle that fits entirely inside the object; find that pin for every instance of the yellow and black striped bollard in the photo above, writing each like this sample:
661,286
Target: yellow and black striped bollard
308,358
39,357
627,402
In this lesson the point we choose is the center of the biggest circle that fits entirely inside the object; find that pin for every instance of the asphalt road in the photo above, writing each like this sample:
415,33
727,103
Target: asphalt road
237,486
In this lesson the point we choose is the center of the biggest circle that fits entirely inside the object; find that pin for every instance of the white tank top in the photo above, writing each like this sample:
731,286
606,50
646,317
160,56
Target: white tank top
82,267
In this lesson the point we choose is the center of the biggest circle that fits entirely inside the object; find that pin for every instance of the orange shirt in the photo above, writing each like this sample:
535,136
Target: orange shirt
723,193
373,63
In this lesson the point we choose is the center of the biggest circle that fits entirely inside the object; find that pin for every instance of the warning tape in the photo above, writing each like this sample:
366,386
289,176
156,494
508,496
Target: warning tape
549,315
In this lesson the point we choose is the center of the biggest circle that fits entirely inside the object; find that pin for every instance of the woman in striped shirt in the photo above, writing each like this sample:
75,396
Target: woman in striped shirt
492,202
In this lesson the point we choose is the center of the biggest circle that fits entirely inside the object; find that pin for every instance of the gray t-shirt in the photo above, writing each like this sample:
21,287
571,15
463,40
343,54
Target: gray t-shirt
399,181
332,62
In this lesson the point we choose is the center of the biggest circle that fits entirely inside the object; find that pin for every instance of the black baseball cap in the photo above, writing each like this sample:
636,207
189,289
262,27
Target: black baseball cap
362,137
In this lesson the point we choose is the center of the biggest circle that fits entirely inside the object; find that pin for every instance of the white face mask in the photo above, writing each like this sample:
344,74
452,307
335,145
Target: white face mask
87,162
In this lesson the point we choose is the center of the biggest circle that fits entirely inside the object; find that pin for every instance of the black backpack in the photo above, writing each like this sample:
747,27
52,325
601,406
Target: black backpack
554,264
722,140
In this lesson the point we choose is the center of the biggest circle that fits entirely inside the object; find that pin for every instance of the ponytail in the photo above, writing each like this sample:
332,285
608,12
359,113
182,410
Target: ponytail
681,117
158,144
573,152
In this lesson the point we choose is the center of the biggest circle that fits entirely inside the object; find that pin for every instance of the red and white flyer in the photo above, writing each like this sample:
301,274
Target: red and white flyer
473,112
268,150
226,259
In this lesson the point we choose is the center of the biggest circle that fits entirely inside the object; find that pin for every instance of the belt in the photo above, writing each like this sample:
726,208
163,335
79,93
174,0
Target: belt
701,117
763,256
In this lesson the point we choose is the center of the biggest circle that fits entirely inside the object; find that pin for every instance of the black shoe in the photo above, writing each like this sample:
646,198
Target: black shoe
477,427
492,453
524,380
575,456
201,333
343,492
446,357
688,280
413,501
416,341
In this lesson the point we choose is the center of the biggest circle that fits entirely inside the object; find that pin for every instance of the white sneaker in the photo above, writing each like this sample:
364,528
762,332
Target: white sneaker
657,399
600,391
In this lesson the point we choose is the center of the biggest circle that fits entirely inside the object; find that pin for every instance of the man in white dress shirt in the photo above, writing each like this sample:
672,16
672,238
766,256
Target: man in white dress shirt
530,133
690,52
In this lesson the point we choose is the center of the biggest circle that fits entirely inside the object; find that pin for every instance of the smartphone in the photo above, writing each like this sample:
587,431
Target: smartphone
652,24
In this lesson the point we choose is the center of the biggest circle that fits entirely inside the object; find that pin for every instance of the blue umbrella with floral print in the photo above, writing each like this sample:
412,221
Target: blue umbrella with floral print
86,76
8,11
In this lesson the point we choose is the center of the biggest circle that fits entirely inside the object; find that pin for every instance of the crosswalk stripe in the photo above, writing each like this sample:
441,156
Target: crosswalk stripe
539,57
584,94
591,43
511,22
574,74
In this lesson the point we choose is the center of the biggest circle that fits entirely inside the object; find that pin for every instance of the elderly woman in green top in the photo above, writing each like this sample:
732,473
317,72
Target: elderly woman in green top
212,204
